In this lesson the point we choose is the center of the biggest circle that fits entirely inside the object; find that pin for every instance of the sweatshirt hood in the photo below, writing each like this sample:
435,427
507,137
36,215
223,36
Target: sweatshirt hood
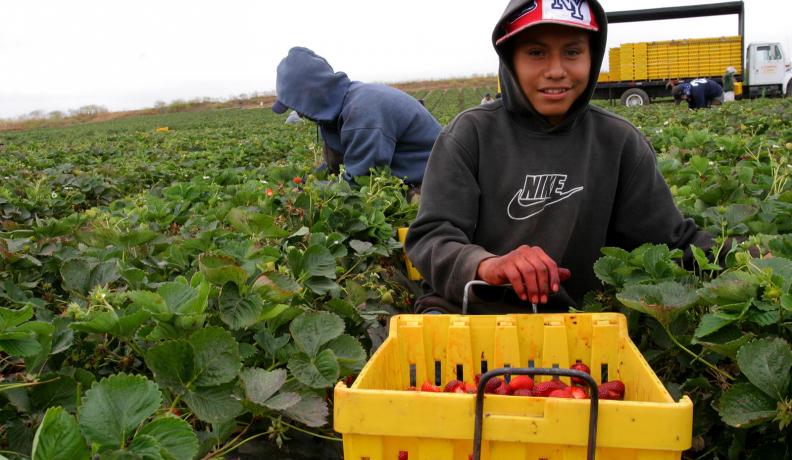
307,83
513,97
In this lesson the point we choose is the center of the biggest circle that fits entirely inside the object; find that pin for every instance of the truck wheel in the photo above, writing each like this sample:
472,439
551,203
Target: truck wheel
634,97
789,89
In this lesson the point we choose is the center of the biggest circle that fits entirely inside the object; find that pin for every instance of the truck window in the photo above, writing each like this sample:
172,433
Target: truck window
768,53
777,50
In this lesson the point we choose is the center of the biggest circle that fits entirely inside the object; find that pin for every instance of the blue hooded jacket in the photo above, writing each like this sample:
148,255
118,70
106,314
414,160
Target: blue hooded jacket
369,124
701,91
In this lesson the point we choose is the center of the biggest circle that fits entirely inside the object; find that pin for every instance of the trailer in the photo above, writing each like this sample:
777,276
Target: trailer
641,72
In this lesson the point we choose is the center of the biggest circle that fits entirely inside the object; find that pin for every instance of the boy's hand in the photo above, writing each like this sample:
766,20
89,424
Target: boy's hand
531,272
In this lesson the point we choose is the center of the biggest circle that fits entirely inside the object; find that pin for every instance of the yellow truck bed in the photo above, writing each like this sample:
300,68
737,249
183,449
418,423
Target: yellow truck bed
673,59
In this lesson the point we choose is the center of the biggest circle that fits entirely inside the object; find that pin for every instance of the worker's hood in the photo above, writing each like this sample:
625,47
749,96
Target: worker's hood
307,84
513,97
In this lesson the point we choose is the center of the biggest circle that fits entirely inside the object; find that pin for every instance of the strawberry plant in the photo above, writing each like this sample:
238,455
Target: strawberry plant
179,294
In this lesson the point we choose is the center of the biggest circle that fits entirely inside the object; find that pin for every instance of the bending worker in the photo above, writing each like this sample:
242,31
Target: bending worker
363,125
699,93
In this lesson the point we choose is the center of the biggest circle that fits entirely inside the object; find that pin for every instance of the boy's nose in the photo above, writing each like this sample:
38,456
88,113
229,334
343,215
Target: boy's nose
555,67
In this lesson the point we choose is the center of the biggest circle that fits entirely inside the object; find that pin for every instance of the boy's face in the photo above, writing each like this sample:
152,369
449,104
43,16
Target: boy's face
552,63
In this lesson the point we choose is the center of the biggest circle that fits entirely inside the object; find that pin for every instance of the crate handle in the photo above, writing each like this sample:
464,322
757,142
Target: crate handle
532,371
469,287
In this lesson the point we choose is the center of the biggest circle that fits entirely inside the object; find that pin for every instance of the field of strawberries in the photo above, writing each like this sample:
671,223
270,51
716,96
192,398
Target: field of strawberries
184,286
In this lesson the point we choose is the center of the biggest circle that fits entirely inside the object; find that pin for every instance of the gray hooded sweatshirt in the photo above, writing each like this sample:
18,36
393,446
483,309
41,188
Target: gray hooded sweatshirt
500,176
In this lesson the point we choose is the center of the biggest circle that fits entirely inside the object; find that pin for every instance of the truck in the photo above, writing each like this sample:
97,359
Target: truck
641,72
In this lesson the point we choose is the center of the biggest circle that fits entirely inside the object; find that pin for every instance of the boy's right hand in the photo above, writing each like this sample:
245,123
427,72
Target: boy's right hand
531,272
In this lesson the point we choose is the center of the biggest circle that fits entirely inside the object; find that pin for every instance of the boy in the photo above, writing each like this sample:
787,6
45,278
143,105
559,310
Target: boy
539,180
363,125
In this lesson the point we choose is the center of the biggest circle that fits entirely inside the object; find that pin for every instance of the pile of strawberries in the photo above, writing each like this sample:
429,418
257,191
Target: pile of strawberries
523,385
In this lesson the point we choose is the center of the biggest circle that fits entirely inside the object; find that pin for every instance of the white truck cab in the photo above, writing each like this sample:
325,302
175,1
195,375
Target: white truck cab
768,71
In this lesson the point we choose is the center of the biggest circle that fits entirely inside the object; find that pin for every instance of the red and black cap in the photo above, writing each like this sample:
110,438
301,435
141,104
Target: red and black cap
573,13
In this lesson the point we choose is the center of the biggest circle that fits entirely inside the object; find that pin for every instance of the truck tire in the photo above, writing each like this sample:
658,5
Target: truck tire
789,89
634,97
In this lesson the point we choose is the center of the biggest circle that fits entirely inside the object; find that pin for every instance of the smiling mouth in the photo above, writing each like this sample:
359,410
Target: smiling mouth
554,90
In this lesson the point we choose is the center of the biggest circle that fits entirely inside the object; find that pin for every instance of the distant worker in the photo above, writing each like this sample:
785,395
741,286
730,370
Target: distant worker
728,84
699,93
293,118
363,125
487,99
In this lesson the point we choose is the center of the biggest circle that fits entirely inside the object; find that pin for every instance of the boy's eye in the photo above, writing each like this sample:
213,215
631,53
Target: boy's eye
534,52
574,52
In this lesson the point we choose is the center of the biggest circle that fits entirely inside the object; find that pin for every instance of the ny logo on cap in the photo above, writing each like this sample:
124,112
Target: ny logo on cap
573,6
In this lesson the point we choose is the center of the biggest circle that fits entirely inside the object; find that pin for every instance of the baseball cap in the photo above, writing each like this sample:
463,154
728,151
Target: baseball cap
535,12
279,107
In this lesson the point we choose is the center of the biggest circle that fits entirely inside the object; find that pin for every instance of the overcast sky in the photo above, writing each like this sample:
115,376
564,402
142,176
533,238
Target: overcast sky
60,55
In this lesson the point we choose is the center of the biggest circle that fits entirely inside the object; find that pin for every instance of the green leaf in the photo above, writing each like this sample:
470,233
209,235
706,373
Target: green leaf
269,343
767,363
349,352
183,299
152,303
321,285
11,317
260,384
276,286
176,437
254,223
239,311
20,343
282,401
728,346
216,356
311,411
743,406
361,248
313,329
115,406
318,261
320,372
81,274
172,364
710,323
606,269
214,404
664,301
781,269
58,437
144,447
220,270
730,288
786,302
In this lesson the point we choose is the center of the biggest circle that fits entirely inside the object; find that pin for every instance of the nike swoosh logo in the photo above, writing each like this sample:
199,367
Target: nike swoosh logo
519,210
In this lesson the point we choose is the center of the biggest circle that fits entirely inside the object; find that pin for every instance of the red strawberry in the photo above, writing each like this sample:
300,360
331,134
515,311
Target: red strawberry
578,393
611,390
578,366
492,385
297,180
470,388
403,455
523,392
503,389
560,394
270,192
453,386
477,378
543,389
427,386
521,382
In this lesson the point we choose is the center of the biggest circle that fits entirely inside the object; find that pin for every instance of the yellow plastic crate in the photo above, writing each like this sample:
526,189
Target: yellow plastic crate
379,420
412,273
